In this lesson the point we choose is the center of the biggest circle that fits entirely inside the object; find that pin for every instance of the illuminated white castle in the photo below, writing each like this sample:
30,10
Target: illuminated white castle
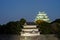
42,16
30,29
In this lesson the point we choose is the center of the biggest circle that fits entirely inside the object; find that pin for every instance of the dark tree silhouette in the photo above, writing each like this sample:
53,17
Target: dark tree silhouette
44,27
12,27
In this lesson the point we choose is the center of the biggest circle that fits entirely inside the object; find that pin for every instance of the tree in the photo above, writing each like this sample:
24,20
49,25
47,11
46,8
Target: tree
44,27
56,27
3,29
22,21
12,28
38,22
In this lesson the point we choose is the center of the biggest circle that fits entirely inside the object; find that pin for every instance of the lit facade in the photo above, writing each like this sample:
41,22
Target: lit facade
30,30
42,16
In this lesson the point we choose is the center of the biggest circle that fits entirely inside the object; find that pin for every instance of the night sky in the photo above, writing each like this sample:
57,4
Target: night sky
14,10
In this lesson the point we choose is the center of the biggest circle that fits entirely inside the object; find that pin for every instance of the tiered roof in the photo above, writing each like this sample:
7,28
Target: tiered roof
42,16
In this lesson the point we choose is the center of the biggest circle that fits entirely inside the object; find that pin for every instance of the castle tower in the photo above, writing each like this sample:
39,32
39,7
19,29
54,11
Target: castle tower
42,16
30,29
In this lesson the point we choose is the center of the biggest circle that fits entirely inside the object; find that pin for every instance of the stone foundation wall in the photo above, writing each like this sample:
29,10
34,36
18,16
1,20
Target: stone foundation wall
30,38
41,37
48,37
18,37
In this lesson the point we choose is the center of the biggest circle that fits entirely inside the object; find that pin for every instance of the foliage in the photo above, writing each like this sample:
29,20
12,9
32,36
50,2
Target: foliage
56,27
22,21
45,28
38,22
12,27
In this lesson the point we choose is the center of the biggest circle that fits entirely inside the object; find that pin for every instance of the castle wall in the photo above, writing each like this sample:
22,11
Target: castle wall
18,37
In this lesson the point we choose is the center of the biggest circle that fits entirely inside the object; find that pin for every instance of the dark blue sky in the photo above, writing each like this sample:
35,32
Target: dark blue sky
13,10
